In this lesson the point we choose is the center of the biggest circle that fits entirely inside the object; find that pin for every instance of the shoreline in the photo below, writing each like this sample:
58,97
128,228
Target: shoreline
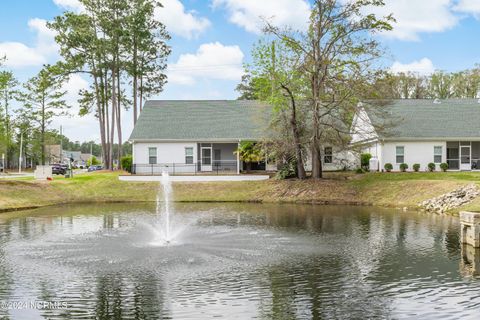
403,191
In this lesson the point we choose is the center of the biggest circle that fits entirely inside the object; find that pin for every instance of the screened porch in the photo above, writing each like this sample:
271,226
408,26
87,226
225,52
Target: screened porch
463,155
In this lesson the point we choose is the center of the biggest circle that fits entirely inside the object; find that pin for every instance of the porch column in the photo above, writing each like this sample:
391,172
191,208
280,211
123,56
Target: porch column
238,158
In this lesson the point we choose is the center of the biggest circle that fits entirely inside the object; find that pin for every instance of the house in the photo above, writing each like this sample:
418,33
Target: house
420,131
185,137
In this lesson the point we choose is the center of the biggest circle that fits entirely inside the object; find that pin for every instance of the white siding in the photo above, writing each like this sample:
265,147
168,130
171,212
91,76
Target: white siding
341,159
167,153
362,128
415,152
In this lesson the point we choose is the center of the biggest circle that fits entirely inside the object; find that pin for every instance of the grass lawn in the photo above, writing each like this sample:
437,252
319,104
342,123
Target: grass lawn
384,189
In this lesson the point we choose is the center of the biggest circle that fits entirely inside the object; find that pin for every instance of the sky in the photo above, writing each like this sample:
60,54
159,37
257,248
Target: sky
212,40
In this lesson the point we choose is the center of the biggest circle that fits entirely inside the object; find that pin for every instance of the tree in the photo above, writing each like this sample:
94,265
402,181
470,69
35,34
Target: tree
146,51
92,161
249,152
441,85
8,85
336,53
110,41
276,72
43,101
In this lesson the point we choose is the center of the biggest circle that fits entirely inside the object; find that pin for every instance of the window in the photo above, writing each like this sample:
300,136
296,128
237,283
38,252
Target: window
189,155
152,155
437,154
327,155
400,154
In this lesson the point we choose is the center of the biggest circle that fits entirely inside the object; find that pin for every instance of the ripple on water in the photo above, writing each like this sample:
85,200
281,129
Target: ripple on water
319,264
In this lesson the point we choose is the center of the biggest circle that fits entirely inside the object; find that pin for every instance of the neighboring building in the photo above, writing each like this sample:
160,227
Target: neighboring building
54,154
421,131
202,136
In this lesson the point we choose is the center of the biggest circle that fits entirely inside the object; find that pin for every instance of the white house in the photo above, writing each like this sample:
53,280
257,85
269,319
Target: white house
420,131
185,137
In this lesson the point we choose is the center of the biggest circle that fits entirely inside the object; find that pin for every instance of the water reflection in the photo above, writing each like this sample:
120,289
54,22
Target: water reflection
238,261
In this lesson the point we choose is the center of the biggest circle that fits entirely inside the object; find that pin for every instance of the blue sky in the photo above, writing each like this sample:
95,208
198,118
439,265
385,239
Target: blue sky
212,39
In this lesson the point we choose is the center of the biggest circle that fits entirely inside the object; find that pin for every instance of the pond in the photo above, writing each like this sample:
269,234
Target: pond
235,261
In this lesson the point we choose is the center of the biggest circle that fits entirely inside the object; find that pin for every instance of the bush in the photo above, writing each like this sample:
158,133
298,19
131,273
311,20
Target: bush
416,167
403,167
287,170
431,167
365,160
127,163
359,171
388,167
92,161
444,166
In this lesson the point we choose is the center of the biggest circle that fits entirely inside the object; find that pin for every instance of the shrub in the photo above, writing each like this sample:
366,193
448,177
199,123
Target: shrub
287,170
359,171
365,160
444,166
403,167
127,163
431,167
92,161
416,167
388,167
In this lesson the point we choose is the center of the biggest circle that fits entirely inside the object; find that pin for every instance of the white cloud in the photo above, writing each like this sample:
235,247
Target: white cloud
415,17
45,42
421,67
469,6
183,23
211,61
73,5
20,55
249,14
74,126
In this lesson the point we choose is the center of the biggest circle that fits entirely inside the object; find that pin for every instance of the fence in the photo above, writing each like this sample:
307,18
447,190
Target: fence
216,167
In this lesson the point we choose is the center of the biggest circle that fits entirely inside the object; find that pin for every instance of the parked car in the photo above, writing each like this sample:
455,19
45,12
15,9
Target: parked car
95,168
59,169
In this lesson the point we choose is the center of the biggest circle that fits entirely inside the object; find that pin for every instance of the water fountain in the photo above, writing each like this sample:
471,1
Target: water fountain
166,185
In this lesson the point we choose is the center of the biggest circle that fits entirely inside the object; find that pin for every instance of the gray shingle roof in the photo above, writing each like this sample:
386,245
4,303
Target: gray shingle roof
202,120
423,119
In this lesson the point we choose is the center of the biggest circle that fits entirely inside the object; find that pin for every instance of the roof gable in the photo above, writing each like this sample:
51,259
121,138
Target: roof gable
202,120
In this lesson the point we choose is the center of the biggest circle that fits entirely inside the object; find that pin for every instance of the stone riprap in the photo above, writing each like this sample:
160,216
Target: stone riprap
451,200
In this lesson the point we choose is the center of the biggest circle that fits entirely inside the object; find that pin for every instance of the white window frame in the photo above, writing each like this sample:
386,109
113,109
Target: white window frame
435,154
188,156
150,155
399,155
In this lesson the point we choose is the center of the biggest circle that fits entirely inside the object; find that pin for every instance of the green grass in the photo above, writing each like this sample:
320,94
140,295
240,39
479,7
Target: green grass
384,189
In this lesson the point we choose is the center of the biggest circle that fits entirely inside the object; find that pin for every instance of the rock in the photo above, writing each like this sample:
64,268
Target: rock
451,200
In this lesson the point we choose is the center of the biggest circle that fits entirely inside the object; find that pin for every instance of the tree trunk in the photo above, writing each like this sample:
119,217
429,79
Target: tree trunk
135,83
296,135
42,138
114,109
119,120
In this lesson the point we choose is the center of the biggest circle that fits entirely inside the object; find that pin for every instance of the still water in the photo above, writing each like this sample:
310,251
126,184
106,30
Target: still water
236,261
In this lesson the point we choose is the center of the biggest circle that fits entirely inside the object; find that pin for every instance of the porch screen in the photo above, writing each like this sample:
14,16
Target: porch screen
453,155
